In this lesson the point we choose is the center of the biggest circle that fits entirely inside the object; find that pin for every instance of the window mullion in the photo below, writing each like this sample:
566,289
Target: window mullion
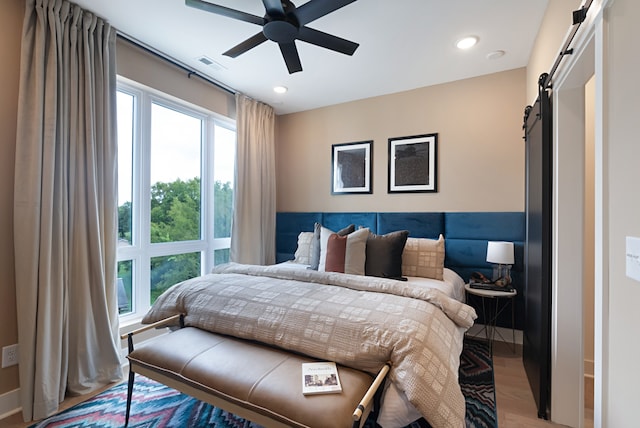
144,205
208,190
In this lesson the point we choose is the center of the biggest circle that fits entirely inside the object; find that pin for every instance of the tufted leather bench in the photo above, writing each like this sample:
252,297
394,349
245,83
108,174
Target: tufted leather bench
257,382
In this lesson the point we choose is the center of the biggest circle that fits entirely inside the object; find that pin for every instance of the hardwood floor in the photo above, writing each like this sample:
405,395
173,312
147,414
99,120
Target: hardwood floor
514,400
516,406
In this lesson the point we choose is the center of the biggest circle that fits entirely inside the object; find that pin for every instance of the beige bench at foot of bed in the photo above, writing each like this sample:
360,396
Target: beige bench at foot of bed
254,381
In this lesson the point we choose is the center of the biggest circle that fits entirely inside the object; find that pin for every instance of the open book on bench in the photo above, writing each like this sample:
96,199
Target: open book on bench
320,378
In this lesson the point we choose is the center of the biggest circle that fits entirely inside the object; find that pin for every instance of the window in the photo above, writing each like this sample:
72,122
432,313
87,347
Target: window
175,193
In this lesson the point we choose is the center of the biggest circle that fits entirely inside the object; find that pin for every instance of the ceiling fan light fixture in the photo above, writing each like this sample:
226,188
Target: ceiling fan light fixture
467,42
280,89
284,24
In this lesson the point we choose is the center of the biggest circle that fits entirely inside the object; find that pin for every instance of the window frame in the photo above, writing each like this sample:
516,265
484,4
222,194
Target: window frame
141,250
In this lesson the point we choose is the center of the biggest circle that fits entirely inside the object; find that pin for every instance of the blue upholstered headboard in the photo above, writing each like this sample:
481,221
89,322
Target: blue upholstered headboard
466,233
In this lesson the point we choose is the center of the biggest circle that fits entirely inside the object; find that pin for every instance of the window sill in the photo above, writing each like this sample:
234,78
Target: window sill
129,323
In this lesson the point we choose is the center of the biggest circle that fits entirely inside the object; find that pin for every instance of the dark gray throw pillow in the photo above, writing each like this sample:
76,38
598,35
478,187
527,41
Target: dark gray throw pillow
384,254
314,252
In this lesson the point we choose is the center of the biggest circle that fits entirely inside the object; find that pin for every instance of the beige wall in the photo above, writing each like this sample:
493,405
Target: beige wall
136,64
480,147
10,35
555,27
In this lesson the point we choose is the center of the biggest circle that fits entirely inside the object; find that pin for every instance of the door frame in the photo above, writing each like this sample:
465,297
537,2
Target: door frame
567,355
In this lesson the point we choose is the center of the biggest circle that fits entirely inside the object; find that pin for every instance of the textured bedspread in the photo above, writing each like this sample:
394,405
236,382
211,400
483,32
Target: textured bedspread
357,321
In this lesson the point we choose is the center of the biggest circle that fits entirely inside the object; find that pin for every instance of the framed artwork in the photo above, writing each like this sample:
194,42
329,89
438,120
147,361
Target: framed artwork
351,168
413,164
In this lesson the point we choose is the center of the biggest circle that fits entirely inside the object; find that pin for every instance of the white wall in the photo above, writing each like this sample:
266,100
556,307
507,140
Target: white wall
621,95
589,240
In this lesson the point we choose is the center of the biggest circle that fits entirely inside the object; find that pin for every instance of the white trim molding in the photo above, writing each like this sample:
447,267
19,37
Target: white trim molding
9,404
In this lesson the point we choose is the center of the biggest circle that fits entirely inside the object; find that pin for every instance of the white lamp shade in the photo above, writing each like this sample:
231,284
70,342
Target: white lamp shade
500,252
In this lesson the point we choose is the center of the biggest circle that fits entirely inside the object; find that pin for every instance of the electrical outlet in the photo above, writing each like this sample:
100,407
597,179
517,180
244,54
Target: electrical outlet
9,356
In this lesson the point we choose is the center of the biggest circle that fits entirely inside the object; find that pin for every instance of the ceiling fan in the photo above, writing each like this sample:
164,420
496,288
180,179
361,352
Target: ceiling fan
284,23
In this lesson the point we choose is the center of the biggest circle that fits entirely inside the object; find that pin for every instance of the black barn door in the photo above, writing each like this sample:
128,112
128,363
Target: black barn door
536,351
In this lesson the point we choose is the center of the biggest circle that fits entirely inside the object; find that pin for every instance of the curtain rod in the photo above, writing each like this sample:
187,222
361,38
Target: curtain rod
578,18
173,61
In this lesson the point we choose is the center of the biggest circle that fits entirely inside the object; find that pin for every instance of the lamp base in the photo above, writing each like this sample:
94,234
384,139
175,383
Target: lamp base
501,274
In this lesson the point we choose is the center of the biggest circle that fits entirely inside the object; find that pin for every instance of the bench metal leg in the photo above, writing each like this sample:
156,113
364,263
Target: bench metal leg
129,337
132,376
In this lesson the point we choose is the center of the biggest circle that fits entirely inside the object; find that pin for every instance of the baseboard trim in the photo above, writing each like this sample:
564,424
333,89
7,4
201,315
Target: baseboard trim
10,403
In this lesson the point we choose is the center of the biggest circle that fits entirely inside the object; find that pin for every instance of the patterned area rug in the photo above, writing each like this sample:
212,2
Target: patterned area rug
157,406
477,384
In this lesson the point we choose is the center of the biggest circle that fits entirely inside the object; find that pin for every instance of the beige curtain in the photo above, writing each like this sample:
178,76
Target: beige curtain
65,206
254,214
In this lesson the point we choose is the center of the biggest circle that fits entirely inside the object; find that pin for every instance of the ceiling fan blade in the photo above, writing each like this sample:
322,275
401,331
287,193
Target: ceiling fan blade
315,9
273,7
328,41
291,57
250,43
225,11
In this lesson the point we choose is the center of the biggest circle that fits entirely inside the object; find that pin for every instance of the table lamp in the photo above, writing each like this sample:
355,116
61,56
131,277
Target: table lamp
501,254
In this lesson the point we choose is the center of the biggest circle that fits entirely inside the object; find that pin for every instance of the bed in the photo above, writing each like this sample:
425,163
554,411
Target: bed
404,308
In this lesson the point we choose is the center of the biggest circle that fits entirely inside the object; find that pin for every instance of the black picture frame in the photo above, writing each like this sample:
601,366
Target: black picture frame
413,164
351,166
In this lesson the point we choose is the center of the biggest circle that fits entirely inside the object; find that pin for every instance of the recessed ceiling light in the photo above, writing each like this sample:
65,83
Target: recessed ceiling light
467,42
280,89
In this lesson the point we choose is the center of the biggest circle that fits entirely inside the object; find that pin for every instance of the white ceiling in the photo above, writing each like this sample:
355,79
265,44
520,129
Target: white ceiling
404,44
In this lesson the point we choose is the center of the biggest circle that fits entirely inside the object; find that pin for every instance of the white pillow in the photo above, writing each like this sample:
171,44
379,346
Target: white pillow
303,252
355,254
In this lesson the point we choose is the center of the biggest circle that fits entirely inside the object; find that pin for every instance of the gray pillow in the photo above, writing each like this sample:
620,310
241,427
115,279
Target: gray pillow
314,253
384,254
